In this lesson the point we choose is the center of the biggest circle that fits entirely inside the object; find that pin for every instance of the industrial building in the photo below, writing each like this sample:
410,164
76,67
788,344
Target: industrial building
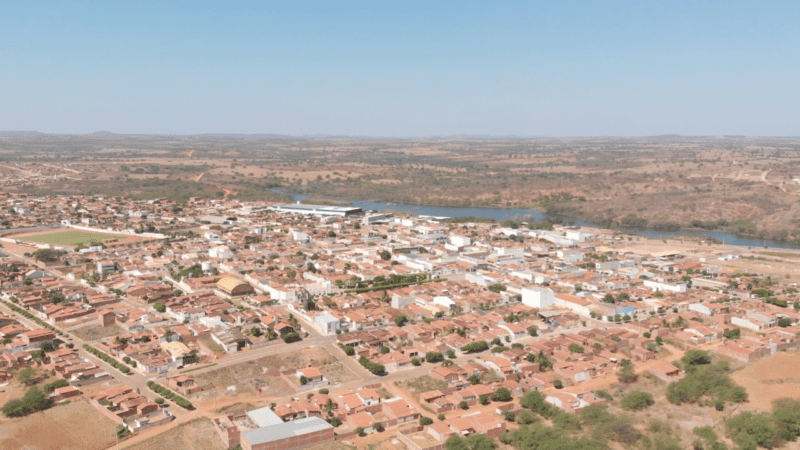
318,210
262,429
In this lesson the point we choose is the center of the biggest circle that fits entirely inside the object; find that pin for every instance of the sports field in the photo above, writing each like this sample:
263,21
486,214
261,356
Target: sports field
69,238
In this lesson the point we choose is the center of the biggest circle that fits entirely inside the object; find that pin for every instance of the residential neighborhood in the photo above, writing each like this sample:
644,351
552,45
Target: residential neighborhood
336,324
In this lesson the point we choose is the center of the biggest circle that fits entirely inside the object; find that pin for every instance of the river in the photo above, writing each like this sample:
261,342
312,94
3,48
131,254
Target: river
510,213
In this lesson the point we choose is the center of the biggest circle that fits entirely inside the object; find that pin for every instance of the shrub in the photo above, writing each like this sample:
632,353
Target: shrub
33,401
375,369
733,333
636,401
558,384
501,395
627,374
575,348
50,387
475,347
164,392
434,357
526,417
291,337
424,421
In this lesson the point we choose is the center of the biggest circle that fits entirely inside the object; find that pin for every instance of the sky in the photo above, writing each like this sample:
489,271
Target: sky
402,68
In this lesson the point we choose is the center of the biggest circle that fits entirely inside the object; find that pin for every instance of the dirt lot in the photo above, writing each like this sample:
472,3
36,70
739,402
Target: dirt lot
66,428
769,379
93,332
196,435
422,384
265,372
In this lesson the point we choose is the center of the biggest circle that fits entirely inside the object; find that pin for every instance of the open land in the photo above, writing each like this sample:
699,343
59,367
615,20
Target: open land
242,379
745,185
197,434
73,425
771,378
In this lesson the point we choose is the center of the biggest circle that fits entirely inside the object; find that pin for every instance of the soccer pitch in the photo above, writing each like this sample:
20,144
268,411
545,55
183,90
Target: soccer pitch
69,238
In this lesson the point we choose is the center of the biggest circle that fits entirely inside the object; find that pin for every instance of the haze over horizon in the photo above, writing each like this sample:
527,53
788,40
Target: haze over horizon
403,70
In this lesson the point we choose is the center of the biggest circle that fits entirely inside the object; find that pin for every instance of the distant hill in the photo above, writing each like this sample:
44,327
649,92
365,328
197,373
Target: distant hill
22,133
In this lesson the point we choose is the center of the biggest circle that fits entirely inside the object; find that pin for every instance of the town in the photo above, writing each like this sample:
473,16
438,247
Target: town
287,326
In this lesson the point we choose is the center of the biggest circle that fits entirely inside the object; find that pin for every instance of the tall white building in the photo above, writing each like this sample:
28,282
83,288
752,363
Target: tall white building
537,297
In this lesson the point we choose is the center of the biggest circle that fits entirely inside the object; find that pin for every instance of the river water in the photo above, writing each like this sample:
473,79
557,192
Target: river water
511,213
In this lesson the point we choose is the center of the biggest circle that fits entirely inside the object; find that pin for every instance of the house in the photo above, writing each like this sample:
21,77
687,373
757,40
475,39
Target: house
312,374
363,420
666,372
401,411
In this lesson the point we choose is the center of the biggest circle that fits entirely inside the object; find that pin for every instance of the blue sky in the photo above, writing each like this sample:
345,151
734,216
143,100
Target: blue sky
432,68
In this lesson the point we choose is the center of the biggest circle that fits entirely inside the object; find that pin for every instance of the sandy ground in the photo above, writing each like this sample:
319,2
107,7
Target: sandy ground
76,425
770,378
198,434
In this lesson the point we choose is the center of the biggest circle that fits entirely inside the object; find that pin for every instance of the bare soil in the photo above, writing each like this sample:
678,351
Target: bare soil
75,425
198,434
265,373
769,379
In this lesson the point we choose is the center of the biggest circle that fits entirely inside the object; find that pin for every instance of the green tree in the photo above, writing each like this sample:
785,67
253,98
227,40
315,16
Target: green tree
627,374
477,441
636,401
575,348
695,358
27,376
526,417
400,320
434,357
748,427
733,333
456,442
501,395
160,307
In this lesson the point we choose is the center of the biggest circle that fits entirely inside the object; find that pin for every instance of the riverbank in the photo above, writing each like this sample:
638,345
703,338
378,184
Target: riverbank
522,214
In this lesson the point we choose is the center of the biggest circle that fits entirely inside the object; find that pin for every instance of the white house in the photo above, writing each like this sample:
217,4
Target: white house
538,297
658,286
222,252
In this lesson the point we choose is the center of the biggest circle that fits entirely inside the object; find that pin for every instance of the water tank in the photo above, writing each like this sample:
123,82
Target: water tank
207,266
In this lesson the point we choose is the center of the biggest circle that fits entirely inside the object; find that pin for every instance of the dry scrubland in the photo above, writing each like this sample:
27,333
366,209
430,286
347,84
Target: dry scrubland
667,181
